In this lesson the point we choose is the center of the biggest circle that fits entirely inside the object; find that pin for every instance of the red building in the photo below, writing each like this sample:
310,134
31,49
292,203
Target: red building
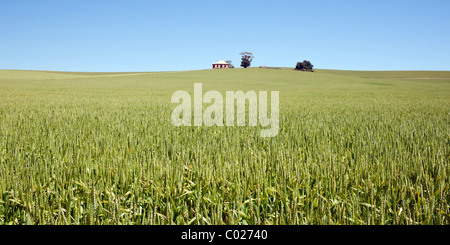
220,64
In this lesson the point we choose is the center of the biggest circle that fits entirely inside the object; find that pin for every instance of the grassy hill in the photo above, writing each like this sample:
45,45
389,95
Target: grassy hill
354,147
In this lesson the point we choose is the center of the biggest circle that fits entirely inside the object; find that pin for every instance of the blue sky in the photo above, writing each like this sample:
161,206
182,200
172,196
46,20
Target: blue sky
189,35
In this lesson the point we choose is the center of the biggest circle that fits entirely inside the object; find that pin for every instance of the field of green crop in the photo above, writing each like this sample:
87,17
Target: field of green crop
100,148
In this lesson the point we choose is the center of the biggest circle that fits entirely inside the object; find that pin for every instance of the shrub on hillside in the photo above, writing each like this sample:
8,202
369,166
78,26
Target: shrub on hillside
304,66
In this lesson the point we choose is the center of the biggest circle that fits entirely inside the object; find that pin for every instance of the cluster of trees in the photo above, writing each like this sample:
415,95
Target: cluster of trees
304,66
247,58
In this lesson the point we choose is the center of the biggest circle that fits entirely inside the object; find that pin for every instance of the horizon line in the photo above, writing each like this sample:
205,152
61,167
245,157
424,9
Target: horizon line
269,67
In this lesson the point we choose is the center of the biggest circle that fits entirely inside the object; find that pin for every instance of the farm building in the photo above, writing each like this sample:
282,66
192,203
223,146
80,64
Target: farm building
220,64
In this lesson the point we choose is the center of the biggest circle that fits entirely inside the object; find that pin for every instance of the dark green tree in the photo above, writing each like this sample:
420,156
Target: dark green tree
304,66
247,58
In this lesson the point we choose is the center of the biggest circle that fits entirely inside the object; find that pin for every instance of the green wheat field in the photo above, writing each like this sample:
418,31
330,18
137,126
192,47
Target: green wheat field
354,147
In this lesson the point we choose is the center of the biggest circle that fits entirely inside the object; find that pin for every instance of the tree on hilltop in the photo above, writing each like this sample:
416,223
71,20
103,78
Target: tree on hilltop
304,66
247,58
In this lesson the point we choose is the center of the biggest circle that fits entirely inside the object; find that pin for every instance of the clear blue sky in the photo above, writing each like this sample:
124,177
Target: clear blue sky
188,35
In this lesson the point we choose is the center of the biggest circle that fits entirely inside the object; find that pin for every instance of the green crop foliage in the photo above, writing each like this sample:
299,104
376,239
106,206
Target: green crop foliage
354,147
